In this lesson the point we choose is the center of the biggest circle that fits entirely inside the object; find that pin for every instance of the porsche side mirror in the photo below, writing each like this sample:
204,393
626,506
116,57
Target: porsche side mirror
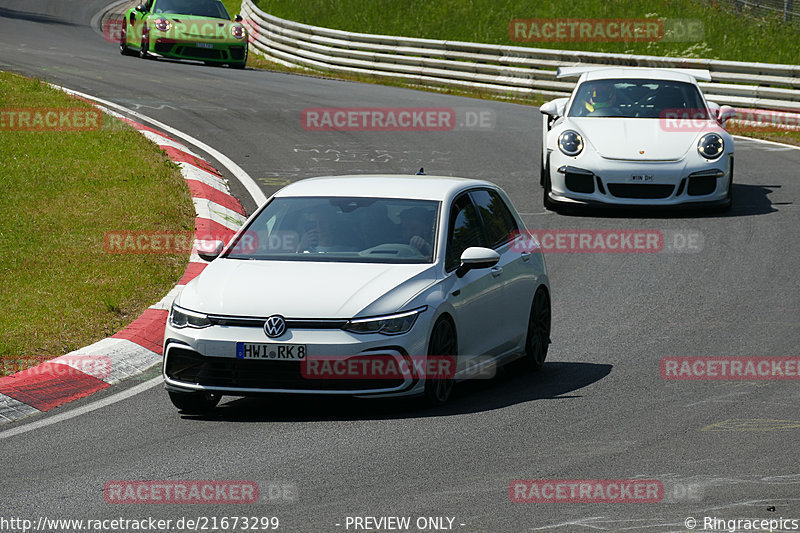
141,8
209,250
238,18
476,257
725,113
554,108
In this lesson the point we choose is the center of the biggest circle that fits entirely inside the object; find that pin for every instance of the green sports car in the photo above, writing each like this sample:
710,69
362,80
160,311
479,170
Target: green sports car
201,30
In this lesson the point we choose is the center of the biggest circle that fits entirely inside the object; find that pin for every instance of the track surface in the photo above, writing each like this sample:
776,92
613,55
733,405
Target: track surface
599,409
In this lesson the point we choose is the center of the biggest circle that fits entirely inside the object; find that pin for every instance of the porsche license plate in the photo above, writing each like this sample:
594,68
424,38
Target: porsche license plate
205,45
641,178
272,352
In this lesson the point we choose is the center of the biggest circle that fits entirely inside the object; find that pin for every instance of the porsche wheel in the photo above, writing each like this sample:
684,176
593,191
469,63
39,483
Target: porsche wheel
123,41
143,50
546,201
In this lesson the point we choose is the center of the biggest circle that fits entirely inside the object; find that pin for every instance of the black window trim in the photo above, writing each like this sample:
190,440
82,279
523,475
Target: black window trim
450,211
483,222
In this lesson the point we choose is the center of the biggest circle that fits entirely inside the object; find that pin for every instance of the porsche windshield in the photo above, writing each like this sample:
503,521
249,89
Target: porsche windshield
637,98
199,8
361,230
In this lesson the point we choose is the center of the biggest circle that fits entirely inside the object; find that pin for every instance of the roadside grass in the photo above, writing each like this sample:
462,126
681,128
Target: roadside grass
234,7
61,192
785,137
727,34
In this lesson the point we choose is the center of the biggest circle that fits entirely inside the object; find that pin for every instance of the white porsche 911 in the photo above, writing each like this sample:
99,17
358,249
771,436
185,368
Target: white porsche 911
360,272
632,136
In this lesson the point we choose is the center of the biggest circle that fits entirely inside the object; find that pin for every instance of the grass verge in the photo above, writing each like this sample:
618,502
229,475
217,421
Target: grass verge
726,33
62,191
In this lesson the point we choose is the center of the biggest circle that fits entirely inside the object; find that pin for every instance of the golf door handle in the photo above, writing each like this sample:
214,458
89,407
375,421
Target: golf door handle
526,256
496,271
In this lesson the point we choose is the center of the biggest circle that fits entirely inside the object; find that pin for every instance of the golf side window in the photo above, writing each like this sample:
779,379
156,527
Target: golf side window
464,230
497,218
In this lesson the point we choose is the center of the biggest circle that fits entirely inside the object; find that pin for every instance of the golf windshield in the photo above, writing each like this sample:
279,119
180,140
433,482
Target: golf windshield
362,230
199,8
635,98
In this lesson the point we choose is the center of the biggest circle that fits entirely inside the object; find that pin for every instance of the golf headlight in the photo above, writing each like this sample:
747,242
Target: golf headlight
570,143
711,146
183,318
238,32
162,24
387,325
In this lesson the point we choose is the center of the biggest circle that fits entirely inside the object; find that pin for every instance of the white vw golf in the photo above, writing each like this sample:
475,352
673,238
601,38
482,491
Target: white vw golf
334,272
636,137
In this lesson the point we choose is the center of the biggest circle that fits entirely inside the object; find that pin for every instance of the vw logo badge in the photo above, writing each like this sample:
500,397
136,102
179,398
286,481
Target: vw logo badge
275,326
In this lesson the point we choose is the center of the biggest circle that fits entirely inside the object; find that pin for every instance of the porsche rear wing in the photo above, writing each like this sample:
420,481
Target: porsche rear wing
575,72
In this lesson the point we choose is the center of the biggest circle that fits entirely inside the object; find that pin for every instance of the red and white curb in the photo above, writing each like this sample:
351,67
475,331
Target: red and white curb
138,347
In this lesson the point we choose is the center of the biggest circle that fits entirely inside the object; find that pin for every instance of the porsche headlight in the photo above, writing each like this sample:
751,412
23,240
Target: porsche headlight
238,32
162,24
711,146
570,143
183,318
387,325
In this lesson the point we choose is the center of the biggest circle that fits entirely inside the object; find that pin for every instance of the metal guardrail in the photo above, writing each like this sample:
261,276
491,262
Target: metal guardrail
503,69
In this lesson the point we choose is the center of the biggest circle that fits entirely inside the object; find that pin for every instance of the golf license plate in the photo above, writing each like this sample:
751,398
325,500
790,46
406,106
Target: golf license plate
205,45
272,352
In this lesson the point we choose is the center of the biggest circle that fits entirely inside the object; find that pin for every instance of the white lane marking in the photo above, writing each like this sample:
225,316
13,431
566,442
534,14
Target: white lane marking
793,147
94,406
249,183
